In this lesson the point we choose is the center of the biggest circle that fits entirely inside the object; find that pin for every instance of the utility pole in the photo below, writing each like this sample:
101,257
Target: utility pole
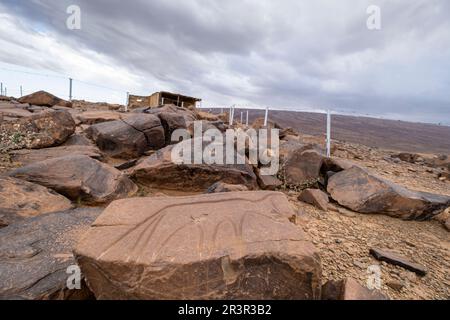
246,121
1,88
70,89
21,91
242,117
328,134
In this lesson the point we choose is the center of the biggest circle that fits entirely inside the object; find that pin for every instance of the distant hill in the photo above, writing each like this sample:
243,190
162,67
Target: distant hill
373,132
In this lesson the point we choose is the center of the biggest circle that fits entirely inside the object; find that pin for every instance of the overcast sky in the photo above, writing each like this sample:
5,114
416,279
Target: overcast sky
286,54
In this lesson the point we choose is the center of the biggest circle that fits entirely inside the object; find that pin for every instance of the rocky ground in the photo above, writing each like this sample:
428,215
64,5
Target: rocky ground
129,154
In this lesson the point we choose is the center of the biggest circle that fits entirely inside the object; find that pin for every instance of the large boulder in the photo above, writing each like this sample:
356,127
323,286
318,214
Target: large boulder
361,191
187,114
178,248
93,117
42,130
35,255
26,156
21,199
302,167
130,137
161,171
79,178
43,98
171,121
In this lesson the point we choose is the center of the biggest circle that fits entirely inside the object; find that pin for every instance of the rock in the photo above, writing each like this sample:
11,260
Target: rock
268,182
15,112
407,157
78,140
35,255
334,164
21,199
349,289
93,117
188,115
78,178
302,167
396,285
398,260
202,115
27,156
179,248
259,124
171,121
363,192
345,212
447,224
159,170
444,176
225,187
42,98
128,138
42,130
315,197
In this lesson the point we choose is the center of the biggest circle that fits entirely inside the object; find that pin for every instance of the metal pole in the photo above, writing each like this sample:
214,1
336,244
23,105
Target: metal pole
230,120
266,117
128,102
328,133
70,89
6,90
1,88
242,117
21,91
246,121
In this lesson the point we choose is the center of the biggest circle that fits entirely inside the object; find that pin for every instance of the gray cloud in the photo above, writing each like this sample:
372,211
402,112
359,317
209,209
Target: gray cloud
281,53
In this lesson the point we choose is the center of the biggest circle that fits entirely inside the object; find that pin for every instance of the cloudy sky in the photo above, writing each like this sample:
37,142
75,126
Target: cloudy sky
284,54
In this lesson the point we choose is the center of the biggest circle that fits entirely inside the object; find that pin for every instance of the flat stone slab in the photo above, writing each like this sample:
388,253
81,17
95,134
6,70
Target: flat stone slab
20,199
35,254
234,245
398,260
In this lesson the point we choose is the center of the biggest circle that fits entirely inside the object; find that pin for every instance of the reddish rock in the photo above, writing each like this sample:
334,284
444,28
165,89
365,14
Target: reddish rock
225,187
302,166
315,197
161,171
363,192
35,254
128,138
398,260
268,182
20,199
93,117
179,248
349,289
27,156
42,98
171,121
42,130
78,178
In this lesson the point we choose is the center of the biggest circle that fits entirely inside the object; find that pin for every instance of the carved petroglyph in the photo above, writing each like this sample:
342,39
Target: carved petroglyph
207,246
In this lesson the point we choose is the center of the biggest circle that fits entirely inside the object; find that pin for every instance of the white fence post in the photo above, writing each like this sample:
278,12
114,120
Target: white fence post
70,89
266,117
328,134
